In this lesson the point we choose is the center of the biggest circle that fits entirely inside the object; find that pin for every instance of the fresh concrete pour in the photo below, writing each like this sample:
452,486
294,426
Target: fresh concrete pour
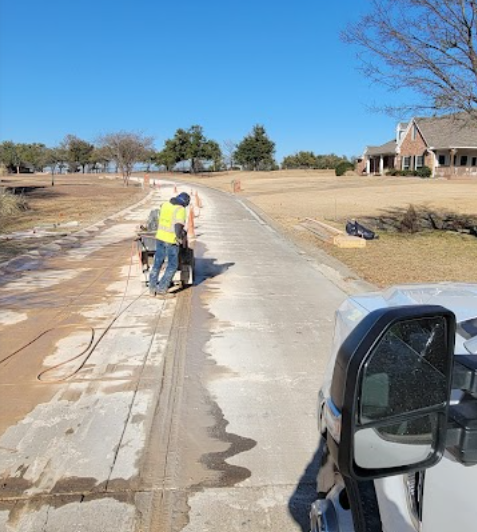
195,414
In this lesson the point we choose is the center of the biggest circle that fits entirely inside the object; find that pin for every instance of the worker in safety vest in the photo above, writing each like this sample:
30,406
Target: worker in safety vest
170,233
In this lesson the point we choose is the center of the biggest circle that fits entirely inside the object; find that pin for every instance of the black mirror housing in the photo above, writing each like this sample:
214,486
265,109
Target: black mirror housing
390,392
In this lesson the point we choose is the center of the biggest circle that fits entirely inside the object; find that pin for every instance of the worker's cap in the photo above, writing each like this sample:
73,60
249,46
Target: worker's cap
183,199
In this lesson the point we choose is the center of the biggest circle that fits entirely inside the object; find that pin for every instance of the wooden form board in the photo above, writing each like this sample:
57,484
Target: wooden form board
332,235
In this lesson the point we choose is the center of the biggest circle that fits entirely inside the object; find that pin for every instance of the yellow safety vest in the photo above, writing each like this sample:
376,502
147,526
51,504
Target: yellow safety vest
169,216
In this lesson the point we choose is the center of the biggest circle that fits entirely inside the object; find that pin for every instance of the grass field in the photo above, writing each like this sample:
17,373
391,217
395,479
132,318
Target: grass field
290,196
75,198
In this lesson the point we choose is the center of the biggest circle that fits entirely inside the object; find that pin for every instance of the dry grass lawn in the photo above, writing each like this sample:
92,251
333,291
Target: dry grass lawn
291,196
75,198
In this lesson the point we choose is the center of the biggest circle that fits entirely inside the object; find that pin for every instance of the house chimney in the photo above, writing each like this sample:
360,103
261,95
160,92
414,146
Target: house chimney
400,129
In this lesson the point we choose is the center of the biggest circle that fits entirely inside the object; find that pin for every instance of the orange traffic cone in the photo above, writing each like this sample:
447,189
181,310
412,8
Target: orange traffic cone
190,224
198,202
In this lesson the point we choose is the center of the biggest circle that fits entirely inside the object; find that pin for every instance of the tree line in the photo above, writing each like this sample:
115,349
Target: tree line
190,147
427,46
308,160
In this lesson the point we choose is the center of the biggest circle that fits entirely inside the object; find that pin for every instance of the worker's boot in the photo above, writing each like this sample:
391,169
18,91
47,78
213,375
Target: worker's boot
165,295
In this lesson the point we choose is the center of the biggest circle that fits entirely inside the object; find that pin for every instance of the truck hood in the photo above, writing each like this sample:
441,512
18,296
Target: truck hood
459,297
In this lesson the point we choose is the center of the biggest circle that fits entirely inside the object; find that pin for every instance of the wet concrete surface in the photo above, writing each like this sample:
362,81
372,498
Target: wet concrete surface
197,413
80,371
262,321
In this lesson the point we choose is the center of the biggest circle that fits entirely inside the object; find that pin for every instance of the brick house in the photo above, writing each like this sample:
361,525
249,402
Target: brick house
446,144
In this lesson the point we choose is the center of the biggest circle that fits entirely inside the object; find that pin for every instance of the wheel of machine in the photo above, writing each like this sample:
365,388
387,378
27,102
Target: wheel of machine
145,260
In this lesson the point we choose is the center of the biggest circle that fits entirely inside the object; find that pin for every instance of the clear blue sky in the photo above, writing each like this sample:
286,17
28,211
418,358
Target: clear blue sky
97,66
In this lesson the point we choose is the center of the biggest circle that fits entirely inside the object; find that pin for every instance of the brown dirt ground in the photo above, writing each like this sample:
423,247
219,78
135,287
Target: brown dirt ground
290,196
82,198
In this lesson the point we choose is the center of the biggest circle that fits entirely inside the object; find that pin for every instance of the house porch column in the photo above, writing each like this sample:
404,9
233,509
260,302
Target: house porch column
381,165
452,166
434,162
368,165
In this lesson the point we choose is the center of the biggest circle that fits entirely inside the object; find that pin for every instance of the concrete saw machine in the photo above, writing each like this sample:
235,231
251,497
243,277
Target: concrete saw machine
146,244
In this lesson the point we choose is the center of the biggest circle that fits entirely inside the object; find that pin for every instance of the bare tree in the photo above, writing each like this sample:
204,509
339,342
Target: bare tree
55,158
126,149
228,151
428,46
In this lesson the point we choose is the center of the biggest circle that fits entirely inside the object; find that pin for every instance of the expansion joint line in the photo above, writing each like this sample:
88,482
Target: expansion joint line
47,516
178,354
136,389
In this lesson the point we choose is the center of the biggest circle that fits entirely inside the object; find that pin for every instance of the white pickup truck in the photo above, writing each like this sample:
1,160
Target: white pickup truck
398,413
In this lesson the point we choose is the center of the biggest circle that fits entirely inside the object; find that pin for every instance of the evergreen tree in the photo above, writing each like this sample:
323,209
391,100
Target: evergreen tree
256,151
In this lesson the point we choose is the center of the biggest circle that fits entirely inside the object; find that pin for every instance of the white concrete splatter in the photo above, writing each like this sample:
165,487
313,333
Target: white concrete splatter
69,347
10,317
43,279
134,437
63,439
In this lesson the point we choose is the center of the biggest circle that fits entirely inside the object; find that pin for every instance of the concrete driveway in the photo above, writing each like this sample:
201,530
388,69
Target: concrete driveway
122,412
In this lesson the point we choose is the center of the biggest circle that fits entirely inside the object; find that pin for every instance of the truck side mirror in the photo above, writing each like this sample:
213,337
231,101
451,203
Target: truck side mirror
390,392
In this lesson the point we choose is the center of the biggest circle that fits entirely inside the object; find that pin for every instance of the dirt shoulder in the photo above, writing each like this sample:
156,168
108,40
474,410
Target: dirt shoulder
75,202
291,196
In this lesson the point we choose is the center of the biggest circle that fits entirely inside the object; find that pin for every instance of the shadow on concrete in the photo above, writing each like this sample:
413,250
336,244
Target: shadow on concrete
306,491
209,268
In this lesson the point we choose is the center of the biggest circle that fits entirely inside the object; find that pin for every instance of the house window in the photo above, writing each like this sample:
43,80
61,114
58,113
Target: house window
463,160
419,161
442,160
406,163
414,132
474,161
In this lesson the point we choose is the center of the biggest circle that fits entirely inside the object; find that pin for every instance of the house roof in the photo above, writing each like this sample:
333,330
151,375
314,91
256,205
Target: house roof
385,149
450,131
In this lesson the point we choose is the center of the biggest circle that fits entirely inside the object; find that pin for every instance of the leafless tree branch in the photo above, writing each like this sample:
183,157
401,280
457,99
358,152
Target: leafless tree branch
428,46
125,149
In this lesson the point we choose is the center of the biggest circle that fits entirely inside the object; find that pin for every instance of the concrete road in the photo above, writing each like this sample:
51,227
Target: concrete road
121,412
